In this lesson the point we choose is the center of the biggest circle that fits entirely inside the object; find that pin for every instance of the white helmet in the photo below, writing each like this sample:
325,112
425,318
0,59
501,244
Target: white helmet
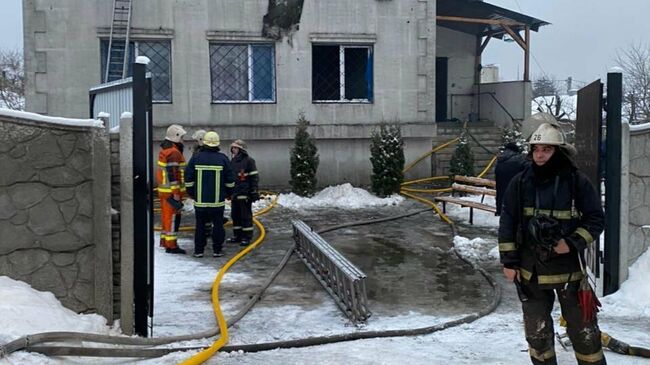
532,123
550,134
198,136
175,133
211,139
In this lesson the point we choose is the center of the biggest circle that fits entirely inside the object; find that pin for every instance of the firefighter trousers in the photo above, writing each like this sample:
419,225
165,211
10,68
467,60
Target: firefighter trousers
205,217
170,220
538,324
242,218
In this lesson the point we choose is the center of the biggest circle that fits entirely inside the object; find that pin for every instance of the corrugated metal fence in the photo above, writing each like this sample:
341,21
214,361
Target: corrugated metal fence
114,98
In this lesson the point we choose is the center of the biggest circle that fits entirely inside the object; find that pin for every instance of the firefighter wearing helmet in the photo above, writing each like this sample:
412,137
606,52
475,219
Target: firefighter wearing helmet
551,214
209,181
171,186
244,194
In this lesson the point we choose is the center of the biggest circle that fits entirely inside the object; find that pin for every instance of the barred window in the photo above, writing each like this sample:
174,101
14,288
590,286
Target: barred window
242,72
159,54
342,73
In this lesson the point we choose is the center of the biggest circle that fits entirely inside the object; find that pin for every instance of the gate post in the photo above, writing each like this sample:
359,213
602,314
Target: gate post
142,199
613,183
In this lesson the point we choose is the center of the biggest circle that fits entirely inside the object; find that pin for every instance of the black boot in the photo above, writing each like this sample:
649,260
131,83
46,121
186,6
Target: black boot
175,250
234,240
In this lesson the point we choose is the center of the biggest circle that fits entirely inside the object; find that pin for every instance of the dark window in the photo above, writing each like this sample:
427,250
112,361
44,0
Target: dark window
159,54
342,73
242,72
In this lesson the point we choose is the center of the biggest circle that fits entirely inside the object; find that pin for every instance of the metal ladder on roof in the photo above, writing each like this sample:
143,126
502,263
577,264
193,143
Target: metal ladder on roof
118,41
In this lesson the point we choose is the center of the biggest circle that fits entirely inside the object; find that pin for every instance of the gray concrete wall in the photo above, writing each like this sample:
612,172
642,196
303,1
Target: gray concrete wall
62,56
62,53
515,96
635,235
55,216
460,49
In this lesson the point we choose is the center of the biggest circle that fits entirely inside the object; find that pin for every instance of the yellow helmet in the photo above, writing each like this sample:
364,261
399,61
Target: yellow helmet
211,139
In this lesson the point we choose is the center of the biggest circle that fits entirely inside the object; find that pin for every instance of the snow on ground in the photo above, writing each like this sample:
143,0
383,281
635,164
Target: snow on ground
495,339
633,297
340,196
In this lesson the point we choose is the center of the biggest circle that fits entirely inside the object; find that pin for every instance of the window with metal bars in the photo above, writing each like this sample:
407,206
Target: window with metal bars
342,73
160,65
242,73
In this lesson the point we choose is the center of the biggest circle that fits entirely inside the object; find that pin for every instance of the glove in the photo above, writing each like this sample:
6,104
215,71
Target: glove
588,302
188,206
254,196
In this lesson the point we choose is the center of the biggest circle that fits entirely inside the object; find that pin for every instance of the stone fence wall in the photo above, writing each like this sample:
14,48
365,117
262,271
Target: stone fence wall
635,195
55,217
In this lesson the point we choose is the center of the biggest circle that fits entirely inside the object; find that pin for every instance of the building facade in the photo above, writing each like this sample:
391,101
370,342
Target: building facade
248,68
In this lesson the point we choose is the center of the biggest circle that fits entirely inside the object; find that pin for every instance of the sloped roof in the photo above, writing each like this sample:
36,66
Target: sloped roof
477,9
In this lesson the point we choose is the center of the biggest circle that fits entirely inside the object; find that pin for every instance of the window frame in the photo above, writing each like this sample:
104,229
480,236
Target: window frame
136,53
249,61
342,47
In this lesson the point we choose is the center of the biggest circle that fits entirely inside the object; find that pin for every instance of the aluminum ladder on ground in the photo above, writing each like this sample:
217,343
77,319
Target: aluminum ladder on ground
340,278
118,41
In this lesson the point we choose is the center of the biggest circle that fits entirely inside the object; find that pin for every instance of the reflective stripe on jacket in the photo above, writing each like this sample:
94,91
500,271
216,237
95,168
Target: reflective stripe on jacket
209,178
578,210
170,171
246,175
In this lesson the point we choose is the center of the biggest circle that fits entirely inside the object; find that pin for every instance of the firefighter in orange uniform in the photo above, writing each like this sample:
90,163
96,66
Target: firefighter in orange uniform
171,186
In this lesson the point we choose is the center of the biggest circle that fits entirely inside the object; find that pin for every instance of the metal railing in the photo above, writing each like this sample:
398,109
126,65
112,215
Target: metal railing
340,278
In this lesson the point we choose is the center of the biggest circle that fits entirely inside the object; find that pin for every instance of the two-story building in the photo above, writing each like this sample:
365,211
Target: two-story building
247,68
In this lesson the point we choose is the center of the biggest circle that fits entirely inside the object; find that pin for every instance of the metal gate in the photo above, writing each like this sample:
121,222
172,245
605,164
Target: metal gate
593,152
133,95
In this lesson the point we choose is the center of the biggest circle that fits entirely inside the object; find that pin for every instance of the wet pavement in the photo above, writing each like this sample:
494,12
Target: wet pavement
408,264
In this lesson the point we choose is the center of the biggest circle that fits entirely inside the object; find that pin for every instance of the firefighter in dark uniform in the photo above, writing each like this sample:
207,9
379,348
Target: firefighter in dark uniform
209,179
244,194
509,163
551,213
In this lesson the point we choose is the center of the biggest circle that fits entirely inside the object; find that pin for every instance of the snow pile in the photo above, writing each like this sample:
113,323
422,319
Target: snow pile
340,196
477,249
26,311
633,298
51,120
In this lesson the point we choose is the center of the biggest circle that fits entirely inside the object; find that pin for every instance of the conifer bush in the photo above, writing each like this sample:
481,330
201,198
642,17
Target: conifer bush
462,161
512,135
304,160
387,159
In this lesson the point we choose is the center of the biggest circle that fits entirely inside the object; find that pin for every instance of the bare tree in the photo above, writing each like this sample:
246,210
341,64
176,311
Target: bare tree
12,80
635,62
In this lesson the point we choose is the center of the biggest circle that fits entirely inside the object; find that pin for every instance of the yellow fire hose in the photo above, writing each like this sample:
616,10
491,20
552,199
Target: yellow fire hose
412,164
191,228
206,354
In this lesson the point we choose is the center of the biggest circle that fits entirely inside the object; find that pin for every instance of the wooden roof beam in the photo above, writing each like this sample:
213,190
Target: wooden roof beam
478,20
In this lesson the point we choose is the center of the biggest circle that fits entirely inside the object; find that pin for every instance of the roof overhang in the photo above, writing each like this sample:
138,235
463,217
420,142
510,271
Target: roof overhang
482,19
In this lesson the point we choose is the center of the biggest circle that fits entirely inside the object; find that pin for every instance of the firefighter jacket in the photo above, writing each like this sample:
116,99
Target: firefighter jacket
209,178
170,172
576,206
246,176
509,164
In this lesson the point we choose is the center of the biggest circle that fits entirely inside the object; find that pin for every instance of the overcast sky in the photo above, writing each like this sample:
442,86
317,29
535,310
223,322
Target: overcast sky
582,40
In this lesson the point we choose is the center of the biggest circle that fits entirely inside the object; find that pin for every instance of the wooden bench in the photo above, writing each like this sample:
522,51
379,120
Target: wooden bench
470,185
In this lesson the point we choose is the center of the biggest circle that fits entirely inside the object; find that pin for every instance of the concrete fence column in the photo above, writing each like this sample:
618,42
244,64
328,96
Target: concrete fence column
126,222
625,209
